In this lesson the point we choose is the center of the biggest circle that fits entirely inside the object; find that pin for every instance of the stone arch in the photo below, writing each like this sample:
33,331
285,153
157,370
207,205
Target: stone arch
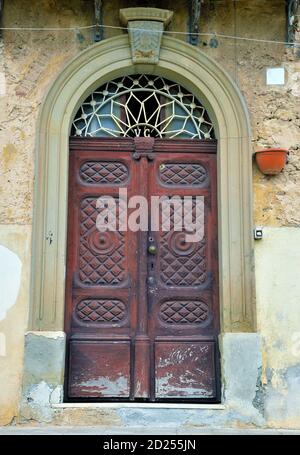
201,75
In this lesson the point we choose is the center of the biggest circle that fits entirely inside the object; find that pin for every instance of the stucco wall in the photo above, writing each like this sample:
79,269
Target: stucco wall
30,61
14,284
278,300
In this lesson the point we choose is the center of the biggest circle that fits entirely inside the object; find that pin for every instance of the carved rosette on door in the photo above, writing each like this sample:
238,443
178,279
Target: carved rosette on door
142,306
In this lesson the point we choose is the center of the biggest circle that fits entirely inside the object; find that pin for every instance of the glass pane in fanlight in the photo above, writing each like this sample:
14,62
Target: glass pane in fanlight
180,126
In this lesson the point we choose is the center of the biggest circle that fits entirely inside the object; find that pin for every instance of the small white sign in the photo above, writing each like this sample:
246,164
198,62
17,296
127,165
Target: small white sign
275,76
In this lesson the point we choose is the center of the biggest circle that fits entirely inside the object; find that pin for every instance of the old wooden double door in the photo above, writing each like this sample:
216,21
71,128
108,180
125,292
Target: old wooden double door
142,315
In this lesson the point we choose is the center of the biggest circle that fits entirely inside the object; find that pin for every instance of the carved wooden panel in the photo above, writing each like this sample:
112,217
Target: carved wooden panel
101,311
183,174
101,254
183,312
181,263
103,172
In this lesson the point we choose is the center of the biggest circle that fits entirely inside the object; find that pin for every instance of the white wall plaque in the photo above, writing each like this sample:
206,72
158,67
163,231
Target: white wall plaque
275,76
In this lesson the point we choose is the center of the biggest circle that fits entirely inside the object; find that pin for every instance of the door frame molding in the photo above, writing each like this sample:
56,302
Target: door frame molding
226,107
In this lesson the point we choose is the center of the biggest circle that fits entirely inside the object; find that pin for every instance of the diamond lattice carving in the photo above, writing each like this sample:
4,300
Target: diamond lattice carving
182,263
183,312
183,174
179,270
102,260
103,172
105,311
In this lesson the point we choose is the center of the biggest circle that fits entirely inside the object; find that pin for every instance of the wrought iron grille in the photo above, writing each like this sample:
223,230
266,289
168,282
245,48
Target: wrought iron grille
142,105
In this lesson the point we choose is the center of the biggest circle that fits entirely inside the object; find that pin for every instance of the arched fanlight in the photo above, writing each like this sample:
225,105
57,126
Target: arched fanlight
142,105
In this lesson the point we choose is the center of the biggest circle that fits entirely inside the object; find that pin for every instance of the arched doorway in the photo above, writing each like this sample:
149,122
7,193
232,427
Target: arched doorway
207,81
142,300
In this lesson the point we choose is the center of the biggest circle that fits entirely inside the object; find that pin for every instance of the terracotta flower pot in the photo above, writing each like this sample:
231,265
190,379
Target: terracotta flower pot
271,161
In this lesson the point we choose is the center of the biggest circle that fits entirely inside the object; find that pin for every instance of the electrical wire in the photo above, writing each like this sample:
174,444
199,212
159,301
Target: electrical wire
114,27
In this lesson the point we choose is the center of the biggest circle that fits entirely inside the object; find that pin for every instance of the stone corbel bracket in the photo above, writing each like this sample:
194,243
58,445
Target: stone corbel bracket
145,28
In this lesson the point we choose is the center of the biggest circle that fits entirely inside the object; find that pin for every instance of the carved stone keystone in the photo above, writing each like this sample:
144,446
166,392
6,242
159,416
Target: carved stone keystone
145,28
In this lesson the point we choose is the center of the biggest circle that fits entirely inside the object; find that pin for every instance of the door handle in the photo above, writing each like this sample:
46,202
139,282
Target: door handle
152,249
